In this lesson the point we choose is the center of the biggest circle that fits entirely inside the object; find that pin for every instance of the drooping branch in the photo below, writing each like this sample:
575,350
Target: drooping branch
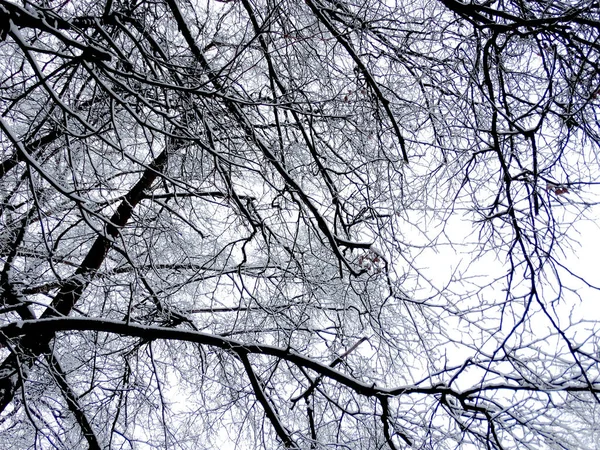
319,13
32,147
334,241
264,401
73,402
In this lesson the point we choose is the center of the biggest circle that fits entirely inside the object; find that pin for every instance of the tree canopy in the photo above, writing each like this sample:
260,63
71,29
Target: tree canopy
319,224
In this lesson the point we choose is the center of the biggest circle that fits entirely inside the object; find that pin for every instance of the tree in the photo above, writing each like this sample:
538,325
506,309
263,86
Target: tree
218,218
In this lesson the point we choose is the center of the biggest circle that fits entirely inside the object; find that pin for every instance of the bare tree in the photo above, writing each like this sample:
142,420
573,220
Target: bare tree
223,224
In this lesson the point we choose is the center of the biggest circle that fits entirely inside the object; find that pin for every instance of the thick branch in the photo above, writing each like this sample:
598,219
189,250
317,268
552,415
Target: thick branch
37,343
23,18
53,325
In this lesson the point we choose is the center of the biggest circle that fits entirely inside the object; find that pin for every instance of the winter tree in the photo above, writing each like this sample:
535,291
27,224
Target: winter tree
319,224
